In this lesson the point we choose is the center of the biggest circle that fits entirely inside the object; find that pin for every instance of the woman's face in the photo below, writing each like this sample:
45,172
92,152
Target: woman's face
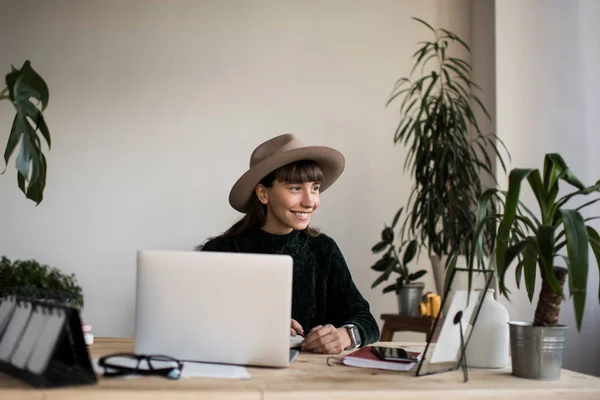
289,205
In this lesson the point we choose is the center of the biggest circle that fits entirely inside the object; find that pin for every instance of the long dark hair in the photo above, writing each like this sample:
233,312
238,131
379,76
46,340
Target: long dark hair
297,172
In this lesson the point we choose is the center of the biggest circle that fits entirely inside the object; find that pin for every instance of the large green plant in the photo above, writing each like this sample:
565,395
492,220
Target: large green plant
390,261
22,86
538,242
437,113
38,281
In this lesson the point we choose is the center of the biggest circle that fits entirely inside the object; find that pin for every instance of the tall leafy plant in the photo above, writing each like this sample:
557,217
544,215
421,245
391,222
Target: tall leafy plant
538,243
437,113
29,94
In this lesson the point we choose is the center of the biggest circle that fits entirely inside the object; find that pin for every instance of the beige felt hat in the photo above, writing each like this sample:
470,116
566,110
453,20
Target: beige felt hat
276,153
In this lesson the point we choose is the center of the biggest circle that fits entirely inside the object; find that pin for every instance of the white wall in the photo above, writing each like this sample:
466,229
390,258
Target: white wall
155,107
547,101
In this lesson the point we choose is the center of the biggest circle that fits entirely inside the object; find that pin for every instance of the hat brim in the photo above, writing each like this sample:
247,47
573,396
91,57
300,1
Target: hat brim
330,161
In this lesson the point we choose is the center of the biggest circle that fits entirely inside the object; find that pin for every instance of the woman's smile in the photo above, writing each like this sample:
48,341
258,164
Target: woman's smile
301,215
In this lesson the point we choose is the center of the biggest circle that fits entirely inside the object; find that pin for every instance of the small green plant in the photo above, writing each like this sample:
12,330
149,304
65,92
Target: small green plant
38,281
22,86
390,261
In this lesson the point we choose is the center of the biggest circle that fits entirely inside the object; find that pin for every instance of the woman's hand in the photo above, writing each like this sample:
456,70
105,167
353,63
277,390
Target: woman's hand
326,340
296,328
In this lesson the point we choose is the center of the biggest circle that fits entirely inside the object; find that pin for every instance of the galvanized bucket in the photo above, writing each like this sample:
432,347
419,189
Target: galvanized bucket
537,351
409,298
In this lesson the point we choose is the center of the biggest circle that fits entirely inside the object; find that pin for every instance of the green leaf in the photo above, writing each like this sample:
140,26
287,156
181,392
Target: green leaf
43,128
387,235
515,178
451,266
577,252
537,186
563,170
519,273
453,36
24,85
379,247
529,267
590,189
545,241
381,278
589,203
424,23
17,130
27,79
594,239
384,264
410,252
434,79
511,253
483,108
390,288
482,208
397,217
462,63
395,95
416,275
25,155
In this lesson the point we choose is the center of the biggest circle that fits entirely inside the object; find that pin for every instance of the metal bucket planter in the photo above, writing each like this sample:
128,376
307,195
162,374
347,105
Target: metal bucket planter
409,297
537,351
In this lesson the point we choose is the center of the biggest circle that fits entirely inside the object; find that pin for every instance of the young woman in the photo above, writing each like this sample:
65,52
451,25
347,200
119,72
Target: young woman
278,195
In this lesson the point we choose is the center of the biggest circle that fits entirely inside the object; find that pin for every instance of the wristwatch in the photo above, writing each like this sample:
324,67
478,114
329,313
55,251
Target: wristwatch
354,336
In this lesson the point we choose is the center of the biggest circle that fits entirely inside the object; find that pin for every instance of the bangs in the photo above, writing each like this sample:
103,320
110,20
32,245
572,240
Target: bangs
299,172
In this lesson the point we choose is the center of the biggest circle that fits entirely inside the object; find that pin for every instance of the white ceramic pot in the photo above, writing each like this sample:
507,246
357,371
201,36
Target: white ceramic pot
489,342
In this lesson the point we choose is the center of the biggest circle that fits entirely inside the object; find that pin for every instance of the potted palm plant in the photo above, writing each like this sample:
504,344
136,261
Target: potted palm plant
537,243
447,153
409,291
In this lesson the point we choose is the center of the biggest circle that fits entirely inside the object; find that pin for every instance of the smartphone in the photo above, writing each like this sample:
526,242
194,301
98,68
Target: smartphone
392,354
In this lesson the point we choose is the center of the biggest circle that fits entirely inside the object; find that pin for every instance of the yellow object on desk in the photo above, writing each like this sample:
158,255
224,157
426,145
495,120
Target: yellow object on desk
430,306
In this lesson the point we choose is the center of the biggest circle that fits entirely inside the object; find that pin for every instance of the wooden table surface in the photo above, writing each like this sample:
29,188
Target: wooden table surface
310,377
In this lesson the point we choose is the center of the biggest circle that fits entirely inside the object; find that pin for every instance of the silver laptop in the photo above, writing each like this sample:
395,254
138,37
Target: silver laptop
231,308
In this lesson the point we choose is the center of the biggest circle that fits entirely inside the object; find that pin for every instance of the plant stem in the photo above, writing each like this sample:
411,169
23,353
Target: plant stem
2,93
398,258
548,307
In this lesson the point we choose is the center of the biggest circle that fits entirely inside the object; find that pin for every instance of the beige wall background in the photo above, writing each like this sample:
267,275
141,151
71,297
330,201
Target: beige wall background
156,105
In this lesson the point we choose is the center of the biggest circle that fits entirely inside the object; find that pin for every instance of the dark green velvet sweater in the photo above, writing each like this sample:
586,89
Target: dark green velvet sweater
323,291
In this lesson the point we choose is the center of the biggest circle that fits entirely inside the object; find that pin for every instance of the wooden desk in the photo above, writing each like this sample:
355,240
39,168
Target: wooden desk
310,377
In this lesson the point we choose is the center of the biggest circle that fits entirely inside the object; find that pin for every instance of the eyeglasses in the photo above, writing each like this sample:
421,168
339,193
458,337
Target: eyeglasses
121,364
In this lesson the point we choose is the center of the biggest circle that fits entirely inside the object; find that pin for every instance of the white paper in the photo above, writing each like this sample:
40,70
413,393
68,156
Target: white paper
192,370
448,344
295,341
